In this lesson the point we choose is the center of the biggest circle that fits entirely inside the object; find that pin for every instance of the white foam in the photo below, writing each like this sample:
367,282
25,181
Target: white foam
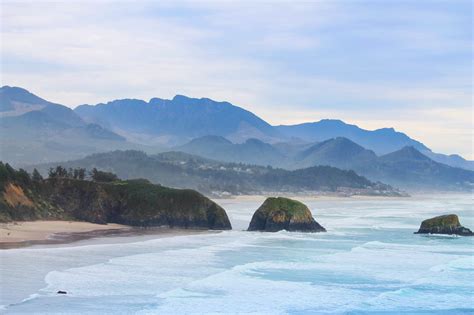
351,267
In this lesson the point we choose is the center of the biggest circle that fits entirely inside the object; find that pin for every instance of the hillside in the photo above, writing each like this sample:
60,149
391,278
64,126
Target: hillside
252,151
210,177
381,141
132,202
410,167
406,168
344,154
339,152
35,130
177,120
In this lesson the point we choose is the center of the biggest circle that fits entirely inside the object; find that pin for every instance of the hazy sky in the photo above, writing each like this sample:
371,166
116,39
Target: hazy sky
401,64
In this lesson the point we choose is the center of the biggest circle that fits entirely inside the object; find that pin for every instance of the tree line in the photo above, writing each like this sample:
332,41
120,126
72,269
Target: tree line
7,172
81,174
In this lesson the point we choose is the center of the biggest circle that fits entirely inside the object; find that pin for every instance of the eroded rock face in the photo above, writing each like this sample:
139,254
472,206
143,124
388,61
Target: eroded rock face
130,202
277,214
444,224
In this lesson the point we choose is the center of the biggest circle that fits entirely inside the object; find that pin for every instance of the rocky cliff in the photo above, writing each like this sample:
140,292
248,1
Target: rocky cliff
132,202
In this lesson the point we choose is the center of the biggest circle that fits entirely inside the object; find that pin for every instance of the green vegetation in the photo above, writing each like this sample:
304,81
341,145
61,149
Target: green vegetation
450,220
290,206
104,199
183,170
444,224
278,213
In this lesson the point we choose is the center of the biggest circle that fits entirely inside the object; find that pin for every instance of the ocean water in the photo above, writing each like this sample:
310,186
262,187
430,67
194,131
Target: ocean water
369,262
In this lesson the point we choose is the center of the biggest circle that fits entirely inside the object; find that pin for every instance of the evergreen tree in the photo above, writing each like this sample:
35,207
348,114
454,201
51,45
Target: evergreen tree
81,173
36,176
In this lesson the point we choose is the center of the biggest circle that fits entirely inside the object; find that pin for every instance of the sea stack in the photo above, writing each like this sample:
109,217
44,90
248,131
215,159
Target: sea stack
278,213
444,224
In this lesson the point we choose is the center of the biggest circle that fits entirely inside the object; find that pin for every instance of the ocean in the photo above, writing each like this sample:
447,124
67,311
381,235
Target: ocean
369,262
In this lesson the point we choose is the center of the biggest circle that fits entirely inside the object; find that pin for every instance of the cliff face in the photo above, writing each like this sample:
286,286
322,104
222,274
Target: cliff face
277,214
132,202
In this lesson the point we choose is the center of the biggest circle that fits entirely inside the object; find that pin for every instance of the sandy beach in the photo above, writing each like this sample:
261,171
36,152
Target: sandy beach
31,231
28,233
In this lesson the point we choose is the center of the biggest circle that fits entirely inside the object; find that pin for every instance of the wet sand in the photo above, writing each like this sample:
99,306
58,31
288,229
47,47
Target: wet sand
29,233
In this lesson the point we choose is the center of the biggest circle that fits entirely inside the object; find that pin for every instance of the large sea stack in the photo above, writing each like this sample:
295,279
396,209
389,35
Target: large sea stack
444,224
278,213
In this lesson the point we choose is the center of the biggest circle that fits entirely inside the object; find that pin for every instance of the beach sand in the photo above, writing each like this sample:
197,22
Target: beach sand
28,233
31,231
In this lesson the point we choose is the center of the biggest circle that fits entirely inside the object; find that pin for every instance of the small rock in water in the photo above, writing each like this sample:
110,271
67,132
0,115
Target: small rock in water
444,224
61,292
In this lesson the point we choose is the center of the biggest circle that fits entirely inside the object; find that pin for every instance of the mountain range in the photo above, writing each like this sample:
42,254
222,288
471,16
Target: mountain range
406,167
177,120
35,130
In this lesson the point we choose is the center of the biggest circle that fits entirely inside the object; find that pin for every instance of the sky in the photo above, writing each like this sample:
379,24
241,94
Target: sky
395,63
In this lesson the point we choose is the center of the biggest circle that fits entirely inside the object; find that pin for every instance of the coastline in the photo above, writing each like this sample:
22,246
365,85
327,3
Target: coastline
29,233
312,197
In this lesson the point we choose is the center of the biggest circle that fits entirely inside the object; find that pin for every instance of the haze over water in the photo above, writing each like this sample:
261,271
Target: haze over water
369,261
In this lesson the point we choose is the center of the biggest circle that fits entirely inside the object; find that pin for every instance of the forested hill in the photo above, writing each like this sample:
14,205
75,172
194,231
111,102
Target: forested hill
210,177
103,198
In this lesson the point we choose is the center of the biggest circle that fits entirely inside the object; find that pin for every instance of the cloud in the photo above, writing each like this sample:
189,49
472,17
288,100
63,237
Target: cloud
355,60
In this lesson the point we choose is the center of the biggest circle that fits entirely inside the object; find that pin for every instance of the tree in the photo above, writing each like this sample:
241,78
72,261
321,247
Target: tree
23,176
51,173
10,170
101,176
81,173
36,176
59,171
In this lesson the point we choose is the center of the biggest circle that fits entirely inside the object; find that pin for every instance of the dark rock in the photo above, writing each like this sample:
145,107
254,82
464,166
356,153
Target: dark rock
277,214
444,224
61,292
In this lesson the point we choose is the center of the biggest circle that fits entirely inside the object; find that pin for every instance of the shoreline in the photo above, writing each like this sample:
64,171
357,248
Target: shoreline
21,234
312,197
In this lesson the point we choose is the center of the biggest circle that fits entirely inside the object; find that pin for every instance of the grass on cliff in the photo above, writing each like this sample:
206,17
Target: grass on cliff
290,206
443,220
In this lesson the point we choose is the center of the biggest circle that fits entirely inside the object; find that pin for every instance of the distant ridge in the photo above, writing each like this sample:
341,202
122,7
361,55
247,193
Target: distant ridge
340,152
182,170
178,120
161,123
405,168
381,141
252,151
34,130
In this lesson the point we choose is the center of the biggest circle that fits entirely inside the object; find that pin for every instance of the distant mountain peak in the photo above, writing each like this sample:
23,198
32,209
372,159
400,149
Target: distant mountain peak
407,153
180,97
14,88
389,129
331,121
9,95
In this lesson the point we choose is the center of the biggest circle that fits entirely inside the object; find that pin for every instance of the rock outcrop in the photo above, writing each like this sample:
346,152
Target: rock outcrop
130,202
277,214
444,224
